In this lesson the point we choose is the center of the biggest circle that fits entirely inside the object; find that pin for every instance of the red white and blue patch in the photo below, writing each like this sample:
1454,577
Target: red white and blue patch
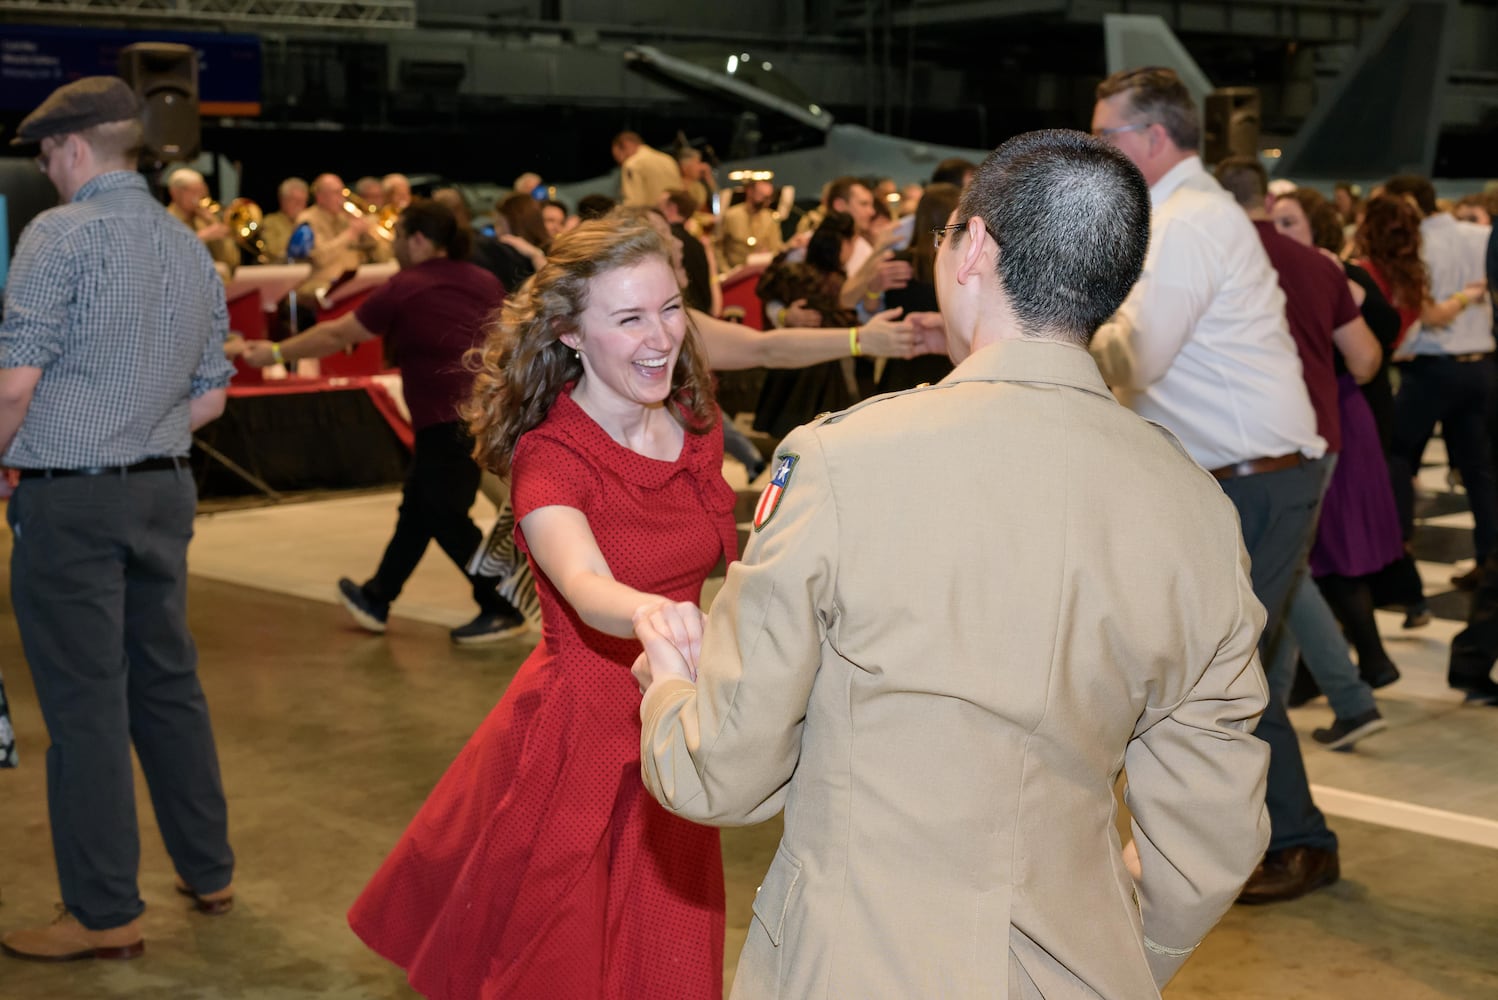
769,501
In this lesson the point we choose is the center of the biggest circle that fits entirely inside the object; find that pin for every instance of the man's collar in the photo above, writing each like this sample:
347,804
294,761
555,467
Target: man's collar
1027,360
1174,178
111,180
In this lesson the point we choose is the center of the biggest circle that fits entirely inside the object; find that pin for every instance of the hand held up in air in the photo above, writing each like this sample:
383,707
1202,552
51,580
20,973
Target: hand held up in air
891,274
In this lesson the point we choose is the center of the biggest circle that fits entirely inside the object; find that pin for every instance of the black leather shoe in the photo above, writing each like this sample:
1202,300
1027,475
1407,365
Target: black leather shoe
1379,675
1290,874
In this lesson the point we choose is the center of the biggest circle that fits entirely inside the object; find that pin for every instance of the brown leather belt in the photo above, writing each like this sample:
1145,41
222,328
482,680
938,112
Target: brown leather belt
1254,466
1461,359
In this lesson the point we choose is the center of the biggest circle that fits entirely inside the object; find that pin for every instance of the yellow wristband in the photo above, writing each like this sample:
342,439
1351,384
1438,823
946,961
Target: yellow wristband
871,295
1462,298
275,353
853,347
784,311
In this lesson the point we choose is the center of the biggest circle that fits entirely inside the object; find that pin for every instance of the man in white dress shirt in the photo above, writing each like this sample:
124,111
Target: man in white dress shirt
1202,346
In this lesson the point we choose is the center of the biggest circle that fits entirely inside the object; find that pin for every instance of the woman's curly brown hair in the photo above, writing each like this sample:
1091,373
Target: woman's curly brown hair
523,366
1389,236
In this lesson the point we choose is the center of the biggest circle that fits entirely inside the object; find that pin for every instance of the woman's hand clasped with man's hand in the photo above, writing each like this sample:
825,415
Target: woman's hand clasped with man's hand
671,632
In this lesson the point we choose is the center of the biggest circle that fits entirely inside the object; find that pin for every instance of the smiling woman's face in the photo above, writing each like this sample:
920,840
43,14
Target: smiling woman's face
631,333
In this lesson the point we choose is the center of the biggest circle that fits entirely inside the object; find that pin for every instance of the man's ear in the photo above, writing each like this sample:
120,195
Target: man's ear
974,250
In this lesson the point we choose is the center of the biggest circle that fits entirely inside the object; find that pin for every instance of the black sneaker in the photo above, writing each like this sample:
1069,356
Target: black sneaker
490,626
1345,732
370,616
1483,692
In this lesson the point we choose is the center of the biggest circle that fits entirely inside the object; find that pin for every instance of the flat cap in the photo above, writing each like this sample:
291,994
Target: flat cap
82,104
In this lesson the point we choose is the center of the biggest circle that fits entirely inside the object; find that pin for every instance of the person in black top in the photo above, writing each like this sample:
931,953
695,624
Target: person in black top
792,398
919,295
679,206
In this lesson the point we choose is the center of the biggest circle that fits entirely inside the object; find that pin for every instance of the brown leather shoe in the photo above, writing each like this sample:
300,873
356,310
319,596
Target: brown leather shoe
1290,874
1469,579
66,940
215,904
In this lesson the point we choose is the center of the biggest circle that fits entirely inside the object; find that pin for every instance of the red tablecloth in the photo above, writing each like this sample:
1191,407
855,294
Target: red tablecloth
247,319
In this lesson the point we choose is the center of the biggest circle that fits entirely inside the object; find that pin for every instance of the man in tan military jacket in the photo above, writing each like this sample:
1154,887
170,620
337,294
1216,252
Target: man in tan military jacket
645,173
341,241
750,227
963,610
189,200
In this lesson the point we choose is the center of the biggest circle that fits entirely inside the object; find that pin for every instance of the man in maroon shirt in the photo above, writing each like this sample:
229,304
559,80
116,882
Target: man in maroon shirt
1324,321
429,314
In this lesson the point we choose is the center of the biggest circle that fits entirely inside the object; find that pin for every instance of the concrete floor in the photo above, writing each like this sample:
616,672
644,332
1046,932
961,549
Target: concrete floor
330,739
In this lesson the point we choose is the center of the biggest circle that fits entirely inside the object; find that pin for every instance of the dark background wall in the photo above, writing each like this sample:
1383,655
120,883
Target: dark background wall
482,91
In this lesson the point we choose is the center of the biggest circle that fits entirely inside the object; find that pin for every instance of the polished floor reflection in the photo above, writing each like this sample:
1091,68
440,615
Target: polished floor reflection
331,738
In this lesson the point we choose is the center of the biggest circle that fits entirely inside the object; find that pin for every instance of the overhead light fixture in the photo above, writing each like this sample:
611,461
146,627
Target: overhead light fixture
733,64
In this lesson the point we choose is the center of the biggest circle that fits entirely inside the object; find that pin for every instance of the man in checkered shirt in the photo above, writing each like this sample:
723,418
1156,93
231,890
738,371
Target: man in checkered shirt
108,360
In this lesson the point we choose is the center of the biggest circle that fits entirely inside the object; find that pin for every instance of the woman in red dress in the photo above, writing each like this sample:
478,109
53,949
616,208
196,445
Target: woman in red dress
539,866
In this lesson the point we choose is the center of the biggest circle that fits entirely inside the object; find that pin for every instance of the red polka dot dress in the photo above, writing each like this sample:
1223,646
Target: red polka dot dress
540,867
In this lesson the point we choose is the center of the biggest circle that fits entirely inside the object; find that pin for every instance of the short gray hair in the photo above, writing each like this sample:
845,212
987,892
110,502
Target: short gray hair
183,176
1158,97
1070,215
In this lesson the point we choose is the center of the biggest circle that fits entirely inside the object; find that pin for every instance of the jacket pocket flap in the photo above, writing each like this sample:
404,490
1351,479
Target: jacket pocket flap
773,897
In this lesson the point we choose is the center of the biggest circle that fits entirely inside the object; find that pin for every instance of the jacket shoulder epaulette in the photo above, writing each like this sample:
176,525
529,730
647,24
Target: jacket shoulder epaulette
825,419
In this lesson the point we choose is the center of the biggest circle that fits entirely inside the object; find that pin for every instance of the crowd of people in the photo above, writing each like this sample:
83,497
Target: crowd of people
944,738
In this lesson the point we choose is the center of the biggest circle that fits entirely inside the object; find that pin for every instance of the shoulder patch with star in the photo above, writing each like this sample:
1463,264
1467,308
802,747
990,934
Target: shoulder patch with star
769,501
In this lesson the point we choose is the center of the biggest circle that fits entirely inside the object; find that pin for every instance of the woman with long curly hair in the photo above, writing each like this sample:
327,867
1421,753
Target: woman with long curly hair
1387,246
539,866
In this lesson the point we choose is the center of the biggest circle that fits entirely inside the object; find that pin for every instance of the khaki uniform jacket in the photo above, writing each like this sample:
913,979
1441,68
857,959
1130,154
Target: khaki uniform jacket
330,262
739,228
223,250
276,229
646,175
973,605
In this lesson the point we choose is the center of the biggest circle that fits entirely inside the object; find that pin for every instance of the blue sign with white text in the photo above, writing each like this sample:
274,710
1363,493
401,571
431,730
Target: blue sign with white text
36,60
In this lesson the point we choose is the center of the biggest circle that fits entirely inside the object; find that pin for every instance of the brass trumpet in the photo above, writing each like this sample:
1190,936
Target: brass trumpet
382,219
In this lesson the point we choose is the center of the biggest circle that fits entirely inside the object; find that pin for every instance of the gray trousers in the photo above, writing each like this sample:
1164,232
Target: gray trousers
99,583
1277,512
